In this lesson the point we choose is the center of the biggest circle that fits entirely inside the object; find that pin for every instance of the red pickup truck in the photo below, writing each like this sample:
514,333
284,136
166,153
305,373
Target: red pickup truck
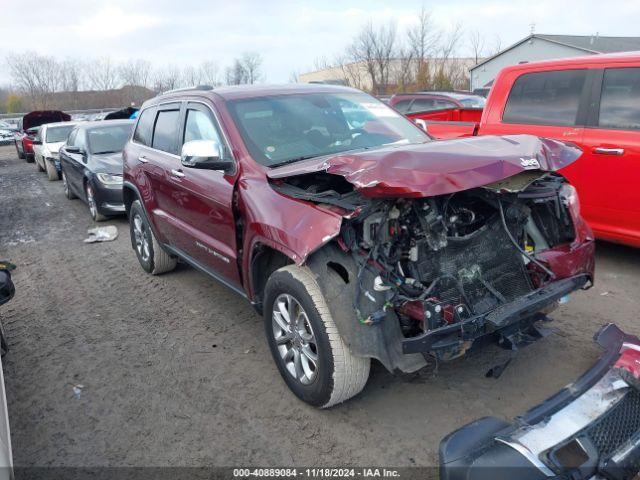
591,101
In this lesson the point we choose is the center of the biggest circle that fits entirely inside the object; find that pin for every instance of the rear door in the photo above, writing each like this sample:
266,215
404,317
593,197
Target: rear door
204,201
549,104
159,159
609,170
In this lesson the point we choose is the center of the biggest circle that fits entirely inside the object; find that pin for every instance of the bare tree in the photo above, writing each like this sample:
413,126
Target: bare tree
384,51
102,74
363,50
497,46
36,76
191,76
235,74
423,41
167,78
251,63
476,44
210,73
135,72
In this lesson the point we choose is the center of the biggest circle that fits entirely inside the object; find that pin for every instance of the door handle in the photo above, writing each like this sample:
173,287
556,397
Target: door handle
177,173
608,151
142,159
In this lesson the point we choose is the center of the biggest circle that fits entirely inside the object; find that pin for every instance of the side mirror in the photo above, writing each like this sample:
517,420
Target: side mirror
72,149
205,154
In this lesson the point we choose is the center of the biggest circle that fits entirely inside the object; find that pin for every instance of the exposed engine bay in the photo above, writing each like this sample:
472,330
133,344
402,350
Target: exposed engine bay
436,262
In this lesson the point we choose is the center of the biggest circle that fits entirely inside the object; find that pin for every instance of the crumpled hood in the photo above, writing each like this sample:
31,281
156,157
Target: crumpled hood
439,167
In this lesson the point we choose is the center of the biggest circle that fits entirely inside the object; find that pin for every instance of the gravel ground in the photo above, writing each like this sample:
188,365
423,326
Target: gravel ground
175,369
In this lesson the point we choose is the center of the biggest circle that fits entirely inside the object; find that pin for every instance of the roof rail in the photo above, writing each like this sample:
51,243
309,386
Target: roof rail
186,89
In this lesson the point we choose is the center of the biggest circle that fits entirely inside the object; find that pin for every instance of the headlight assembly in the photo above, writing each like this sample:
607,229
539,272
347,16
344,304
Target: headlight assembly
109,180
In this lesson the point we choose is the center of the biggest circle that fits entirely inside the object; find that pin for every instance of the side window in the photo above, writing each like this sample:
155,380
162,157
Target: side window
165,132
545,98
80,140
144,127
199,126
71,141
422,105
402,106
620,99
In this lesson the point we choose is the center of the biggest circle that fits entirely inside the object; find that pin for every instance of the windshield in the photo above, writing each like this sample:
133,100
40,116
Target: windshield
473,102
109,139
58,134
289,128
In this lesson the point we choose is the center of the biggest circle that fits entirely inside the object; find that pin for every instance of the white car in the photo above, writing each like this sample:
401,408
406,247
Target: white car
47,145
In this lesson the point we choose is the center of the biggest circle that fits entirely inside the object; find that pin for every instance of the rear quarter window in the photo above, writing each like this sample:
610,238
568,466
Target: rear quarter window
545,98
144,127
620,99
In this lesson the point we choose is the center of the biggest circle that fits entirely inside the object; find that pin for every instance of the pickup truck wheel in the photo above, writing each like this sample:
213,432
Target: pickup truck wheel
311,356
52,173
151,256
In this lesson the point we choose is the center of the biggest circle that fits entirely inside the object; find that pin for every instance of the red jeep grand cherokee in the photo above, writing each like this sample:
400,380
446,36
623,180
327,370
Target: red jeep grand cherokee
356,235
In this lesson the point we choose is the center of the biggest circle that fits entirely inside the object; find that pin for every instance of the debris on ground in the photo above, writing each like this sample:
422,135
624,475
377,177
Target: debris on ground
102,234
77,391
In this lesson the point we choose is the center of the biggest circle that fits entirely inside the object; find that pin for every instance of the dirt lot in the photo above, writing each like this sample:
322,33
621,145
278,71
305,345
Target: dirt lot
176,371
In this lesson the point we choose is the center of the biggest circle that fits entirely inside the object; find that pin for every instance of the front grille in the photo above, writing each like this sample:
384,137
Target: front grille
479,263
617,426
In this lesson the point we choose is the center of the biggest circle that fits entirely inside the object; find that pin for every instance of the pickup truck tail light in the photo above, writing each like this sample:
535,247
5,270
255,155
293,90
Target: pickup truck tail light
569,196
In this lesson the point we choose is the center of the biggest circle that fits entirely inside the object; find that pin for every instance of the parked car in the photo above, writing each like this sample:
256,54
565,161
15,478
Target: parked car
482,91
354,234
91,165
46,147
23,142
6,134
429,101
591,101
588,430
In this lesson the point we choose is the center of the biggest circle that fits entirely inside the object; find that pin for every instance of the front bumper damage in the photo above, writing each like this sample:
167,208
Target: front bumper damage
524,309
588,430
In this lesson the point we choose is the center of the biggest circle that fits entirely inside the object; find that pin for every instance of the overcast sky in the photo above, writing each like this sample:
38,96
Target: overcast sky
289,34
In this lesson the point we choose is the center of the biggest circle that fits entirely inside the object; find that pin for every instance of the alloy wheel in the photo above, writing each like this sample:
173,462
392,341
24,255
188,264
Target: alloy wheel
141,238
295,339
65,185
93,208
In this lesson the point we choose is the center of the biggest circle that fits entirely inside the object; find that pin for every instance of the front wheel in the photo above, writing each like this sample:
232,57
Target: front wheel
310,354
67,188
93,204
153,259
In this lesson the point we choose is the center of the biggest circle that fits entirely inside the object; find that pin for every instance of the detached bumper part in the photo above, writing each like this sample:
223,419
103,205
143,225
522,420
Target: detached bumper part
588,430
502,317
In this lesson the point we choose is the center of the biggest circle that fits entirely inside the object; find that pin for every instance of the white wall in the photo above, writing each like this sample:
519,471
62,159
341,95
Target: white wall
531,51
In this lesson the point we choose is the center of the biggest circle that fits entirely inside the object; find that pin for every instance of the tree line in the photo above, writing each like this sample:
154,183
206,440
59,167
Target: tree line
382,59
36,78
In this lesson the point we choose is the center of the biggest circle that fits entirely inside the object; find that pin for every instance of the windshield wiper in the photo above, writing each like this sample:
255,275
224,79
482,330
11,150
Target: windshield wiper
294,160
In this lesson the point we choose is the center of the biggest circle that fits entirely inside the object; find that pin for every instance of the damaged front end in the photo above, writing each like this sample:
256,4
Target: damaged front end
412,276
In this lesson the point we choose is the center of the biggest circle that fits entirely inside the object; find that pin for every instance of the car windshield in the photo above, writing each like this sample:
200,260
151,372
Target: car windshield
473,102
288,128
109,139
58,134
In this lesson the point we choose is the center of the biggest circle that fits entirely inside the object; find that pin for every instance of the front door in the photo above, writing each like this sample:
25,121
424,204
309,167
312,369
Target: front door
204,202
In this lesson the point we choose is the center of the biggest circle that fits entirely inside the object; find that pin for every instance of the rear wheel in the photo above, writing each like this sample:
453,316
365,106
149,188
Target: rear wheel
153,259
52,173
20,153
67,189
312,358
93,205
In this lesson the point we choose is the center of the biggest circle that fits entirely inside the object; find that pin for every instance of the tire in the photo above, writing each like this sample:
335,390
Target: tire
67,189
91,203
20,154
338,375
4,346
52,173
152,257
